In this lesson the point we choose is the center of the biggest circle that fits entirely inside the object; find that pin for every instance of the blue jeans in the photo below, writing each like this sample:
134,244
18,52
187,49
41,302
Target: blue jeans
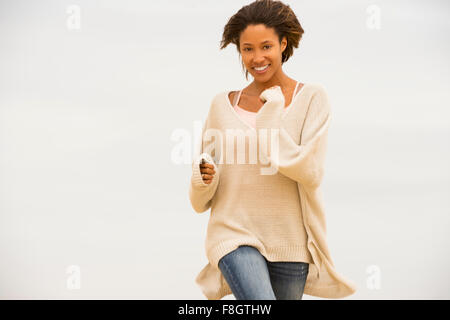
251,276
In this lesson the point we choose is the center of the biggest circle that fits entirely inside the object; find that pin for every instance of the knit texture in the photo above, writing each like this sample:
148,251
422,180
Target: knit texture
266,189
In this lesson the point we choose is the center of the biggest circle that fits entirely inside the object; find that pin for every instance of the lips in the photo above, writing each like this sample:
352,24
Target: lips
262,66
263,70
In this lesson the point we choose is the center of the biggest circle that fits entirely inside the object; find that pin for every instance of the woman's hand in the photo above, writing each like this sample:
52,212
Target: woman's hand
207,171
272,93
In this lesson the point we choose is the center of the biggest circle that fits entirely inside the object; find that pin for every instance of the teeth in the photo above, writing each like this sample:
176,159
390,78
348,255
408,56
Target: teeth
262,68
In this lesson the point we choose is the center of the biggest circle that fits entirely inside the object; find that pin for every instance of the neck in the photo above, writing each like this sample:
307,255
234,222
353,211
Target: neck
278,79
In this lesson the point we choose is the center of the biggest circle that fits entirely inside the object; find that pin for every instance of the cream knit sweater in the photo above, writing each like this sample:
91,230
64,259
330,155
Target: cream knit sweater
266,189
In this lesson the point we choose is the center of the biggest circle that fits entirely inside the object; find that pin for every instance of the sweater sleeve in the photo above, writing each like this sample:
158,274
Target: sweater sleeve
201,193
304,162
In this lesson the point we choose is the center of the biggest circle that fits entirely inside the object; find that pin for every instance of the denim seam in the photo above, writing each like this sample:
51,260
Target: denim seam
236,283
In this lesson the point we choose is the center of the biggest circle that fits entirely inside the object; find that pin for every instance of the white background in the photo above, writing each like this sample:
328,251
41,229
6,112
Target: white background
87,174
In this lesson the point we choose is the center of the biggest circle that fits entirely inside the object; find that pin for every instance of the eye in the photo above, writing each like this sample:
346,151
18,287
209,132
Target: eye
267,45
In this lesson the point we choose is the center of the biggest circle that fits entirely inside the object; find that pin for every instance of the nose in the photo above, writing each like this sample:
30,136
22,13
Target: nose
258,61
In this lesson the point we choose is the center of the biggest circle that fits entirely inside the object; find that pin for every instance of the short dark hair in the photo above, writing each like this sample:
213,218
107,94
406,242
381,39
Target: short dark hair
273,14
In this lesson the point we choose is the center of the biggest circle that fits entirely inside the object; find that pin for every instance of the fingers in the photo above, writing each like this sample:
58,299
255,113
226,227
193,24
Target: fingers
207,171
207,168
207,178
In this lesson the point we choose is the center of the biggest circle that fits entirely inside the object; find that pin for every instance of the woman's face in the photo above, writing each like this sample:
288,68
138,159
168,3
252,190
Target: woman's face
259,47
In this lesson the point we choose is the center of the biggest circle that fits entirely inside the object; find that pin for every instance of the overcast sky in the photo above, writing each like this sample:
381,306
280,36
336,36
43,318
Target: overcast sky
92,91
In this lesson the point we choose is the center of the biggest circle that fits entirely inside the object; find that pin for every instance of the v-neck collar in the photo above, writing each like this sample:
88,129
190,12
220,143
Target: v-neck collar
289,107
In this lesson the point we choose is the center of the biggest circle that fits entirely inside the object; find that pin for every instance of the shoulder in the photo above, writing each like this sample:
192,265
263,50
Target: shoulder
223,98
319,99
219,97
218,104
316,88
216,100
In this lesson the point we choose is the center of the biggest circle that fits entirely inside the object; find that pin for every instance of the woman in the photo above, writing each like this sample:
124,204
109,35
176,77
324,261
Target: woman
266,233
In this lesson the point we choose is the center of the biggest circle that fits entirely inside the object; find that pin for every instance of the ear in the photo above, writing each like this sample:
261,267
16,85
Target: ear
283,44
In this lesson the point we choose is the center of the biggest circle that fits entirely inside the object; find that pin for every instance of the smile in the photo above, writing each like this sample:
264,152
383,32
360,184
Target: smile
261,69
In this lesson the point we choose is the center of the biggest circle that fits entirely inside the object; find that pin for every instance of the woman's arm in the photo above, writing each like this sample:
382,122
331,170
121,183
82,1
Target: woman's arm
303,163
201,193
